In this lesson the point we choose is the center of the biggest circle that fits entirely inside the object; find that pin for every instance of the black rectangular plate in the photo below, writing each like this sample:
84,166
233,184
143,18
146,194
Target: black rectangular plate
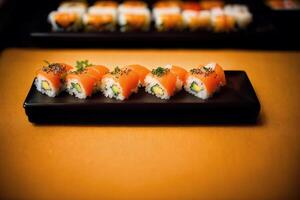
234,103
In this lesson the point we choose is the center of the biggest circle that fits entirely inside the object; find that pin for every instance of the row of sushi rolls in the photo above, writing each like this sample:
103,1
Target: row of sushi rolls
84,80
135,15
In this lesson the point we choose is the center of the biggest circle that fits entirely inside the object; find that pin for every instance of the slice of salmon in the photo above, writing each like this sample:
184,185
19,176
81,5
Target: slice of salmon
129,82
127,79
101,69
219,71
87,81
180,72
168,80
56,77
140,70
65,19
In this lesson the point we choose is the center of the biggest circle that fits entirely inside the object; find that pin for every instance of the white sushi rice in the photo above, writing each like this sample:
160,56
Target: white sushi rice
102,10
202,94
72,91
38,83
77,7
150,81
106,88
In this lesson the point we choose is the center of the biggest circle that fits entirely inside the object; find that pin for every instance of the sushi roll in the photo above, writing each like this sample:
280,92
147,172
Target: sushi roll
161,82
72,6
64,21
195,19
181,75
134,16
240,13
85,80
141,71
190,12
204,81
221,22
50,79
102,16
120,83
167,16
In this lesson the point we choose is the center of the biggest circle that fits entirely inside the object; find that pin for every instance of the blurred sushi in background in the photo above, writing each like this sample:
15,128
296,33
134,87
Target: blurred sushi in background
167,16
102,16
134,16
68,16
240,13
221,22
194,18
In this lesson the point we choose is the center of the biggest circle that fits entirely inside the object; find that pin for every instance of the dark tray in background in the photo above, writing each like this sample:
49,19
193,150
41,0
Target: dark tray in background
258,33
235,103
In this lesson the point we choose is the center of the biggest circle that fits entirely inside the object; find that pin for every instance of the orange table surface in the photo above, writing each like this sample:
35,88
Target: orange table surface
259,161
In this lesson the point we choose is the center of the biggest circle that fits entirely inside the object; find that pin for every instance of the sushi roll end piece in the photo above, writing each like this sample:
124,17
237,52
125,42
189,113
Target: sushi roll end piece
50,79
204,81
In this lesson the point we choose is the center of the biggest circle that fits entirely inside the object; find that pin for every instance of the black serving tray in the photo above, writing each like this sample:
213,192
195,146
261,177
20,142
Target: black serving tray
234,103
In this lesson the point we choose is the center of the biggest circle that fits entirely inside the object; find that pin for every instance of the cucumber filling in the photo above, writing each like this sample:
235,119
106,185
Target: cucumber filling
77,87
157,90
195,87
45,85
115,90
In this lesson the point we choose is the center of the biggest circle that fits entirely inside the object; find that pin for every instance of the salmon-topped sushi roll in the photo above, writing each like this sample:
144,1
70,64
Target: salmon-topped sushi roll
141,72
85,80
102,16
180,73
167,16
64,21
204,81
161,82
50,79
134,16
222,22
120,83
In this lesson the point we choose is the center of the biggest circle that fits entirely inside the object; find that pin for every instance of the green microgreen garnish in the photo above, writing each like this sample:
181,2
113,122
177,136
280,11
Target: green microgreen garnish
81,65
160,71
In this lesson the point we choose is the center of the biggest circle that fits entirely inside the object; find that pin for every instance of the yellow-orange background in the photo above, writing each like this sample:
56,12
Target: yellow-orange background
153,162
